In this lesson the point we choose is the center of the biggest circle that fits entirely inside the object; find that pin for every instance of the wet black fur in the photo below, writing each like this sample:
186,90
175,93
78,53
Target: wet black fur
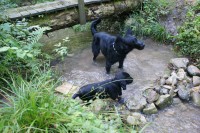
104,42
111,88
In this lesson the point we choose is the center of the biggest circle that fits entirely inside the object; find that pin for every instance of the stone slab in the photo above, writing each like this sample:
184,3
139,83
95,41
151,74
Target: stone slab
67,88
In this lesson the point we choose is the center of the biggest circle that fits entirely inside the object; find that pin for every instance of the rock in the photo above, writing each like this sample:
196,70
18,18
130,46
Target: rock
165,76
167,87
164,101
183,92
188,79
134,104
67,88
193,70
196,89
151,95
136,119
181,74
132,120
179,62
172,93
176,101
162,81
150,109
157,89
164,91
175,90
196,98
172,80
196,81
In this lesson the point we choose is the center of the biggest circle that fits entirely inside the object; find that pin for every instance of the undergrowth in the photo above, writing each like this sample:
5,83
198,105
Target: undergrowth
188,37
145,20
81,28
27,85
33,106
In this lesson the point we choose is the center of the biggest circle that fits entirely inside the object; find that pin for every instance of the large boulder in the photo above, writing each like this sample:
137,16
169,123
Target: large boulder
164,101
179,62
193,70
150,109
135,104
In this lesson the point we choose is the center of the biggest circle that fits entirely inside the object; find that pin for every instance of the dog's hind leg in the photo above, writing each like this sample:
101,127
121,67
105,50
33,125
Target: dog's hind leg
95,49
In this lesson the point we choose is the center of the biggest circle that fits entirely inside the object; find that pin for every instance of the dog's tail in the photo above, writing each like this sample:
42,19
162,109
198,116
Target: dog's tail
94,25
75,96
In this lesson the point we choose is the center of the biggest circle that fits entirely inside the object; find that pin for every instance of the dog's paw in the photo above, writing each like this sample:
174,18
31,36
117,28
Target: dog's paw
121,101
95,63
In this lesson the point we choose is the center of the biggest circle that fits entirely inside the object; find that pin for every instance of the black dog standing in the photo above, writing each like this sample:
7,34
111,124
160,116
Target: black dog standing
114,48
110,88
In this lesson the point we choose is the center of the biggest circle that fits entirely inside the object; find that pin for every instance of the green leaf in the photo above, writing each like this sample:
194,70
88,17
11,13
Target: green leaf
30,55
4,49
1,125
14,48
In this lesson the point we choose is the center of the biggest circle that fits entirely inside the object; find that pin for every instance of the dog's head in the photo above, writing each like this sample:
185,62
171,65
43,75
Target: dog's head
132,41
124,78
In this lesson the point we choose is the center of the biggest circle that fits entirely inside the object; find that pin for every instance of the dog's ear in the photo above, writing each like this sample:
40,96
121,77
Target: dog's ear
120,76
129,32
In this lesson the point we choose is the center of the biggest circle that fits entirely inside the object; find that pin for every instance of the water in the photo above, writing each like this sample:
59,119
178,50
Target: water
144,66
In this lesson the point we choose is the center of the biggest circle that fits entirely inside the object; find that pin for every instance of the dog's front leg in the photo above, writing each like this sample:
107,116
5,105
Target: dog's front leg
121,100
108,66
121,62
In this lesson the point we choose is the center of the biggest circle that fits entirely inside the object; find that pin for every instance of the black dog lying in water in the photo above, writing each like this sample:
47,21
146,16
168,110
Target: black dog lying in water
114,48
109,88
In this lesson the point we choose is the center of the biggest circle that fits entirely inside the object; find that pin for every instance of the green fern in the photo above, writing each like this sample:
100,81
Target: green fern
37,34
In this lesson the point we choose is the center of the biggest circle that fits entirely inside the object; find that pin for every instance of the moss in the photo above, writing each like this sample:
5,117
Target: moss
40,20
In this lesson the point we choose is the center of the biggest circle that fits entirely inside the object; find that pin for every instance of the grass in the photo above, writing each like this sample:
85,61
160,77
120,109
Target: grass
33,106
145,21
81,28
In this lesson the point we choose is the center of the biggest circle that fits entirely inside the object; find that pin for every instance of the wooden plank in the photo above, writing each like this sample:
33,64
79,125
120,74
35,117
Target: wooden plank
56,6
32,11
40,8
87,2
45,8
13,13
23,11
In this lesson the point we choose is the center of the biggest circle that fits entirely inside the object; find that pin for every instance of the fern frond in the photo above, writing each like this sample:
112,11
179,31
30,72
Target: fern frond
37,34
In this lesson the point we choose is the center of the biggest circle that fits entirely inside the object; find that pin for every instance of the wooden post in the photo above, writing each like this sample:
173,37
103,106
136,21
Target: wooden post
81,8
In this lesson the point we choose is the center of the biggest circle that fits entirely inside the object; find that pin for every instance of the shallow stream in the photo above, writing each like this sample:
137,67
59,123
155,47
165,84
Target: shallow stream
144,66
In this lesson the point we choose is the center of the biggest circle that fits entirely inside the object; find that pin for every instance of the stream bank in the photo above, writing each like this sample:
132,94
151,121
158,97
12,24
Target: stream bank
144,66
